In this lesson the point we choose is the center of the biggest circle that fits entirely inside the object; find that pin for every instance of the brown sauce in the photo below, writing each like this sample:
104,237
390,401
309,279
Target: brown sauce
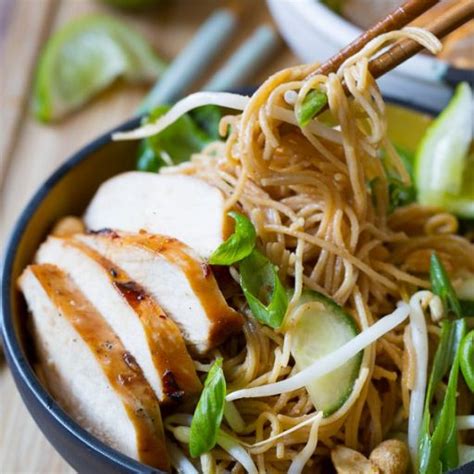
166,344
224,320
118,365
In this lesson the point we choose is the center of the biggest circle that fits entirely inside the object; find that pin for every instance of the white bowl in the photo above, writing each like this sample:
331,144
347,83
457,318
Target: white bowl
315,33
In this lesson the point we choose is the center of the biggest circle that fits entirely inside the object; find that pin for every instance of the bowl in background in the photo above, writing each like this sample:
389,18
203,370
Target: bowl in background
315,33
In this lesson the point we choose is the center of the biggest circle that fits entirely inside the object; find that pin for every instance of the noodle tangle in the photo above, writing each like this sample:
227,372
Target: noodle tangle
319,199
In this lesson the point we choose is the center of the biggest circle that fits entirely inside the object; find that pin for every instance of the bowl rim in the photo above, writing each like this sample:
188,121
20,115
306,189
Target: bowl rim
12,348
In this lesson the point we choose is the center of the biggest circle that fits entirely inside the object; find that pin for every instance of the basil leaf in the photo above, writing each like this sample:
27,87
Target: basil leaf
441,286
438,438
209,411
312,104
175,144
239,245
263,289
467,359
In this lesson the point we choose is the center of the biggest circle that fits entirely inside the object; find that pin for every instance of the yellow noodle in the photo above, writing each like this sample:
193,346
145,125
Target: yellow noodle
307,192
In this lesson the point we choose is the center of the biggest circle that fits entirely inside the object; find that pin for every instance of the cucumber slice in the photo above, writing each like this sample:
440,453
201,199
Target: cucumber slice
444,168
321,327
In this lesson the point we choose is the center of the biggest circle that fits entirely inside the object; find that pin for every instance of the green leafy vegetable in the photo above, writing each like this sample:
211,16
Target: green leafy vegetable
174,145
312,104
438,451
209,411
467,359
442,286
207,118
263,289
438,445
239,245
400,194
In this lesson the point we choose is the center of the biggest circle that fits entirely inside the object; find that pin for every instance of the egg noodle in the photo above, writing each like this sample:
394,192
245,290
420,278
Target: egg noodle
319,199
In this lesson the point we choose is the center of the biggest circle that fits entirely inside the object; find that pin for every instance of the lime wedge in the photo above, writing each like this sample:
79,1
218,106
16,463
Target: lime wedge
444,166
85,57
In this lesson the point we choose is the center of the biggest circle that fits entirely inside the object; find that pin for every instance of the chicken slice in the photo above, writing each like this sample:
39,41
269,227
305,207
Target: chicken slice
181,282
89,371
183,207
146,331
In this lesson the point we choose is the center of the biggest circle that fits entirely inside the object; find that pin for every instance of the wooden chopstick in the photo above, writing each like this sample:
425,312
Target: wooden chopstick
461,12
399,18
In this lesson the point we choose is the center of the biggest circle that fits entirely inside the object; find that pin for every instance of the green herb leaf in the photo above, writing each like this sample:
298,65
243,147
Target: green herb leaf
174,145
239,245
467,359
312,104
400,194
441,286
263,289
438,439
209,411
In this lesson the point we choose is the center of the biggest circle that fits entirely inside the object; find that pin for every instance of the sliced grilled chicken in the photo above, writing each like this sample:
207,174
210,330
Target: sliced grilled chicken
144,328
89,371
181,282
183,207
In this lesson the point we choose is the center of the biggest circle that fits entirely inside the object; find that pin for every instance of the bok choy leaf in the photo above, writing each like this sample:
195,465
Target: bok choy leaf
175,145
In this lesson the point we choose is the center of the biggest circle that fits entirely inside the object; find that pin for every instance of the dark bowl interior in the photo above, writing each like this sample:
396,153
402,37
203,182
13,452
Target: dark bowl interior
67,192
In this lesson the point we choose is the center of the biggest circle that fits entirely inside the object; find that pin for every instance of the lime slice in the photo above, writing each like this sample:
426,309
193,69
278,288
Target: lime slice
322,327
444,167
85,57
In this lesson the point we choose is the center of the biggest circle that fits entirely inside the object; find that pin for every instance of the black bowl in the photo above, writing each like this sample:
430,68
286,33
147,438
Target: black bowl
66,192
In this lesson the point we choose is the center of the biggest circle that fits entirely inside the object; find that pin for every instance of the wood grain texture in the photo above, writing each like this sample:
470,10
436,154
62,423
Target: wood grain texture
29,151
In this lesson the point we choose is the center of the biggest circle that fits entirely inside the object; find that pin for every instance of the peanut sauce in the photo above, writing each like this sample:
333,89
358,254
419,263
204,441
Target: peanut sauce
166,344
118,365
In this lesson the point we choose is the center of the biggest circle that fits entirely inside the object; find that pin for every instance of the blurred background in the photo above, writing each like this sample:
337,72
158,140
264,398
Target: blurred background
71,70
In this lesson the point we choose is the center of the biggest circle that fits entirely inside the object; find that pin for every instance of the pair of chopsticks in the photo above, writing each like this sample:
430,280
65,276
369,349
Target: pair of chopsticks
461,12
209,41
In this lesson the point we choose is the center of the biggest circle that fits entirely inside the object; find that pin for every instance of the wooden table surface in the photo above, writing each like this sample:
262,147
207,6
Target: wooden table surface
29,151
